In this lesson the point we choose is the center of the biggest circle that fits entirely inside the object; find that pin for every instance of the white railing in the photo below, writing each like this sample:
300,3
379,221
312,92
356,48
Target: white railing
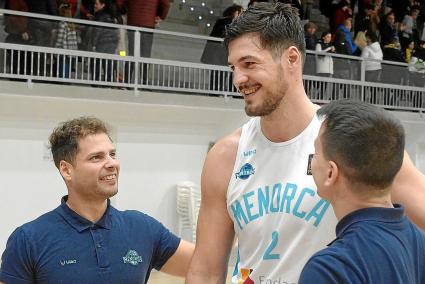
175,66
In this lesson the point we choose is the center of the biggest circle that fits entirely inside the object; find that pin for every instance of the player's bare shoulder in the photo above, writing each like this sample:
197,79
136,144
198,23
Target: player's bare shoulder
226,148
220,160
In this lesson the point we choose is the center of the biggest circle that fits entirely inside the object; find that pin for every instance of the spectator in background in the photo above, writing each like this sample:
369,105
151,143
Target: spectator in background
41,30
105,40
343,41
417,67
147,14
310,41
344,44
16,28
410,31
408,52
342,13
78,9
372,51
310,36
367,19
324,63
393,74
388,29
66,38
215,53
307,6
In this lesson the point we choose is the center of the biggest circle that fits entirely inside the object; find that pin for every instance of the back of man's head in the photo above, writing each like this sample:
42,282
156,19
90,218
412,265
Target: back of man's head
366,142
277,25
64,138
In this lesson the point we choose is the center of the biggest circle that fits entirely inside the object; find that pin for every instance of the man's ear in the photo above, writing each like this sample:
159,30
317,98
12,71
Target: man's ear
294,56
332,174
65,170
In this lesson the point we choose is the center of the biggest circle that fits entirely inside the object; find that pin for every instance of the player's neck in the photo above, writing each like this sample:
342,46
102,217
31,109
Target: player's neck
289,119
92,210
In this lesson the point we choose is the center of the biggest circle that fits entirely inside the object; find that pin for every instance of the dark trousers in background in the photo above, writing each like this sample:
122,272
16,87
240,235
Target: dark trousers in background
146,40
372,76
104,69
17,61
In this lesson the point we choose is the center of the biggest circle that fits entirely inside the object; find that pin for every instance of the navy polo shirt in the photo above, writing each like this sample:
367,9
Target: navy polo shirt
63,247
373,245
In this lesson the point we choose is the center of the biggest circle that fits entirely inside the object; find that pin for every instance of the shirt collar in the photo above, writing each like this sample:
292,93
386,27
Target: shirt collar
80,223
373,213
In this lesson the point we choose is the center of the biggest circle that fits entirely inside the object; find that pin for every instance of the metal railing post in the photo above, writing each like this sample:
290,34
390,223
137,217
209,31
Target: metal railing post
137,60
362,78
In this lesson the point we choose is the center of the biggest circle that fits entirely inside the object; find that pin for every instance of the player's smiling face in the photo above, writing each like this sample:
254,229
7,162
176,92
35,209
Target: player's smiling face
259,76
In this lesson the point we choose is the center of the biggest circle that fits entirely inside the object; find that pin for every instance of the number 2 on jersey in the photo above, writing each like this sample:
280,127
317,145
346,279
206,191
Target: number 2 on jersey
268,253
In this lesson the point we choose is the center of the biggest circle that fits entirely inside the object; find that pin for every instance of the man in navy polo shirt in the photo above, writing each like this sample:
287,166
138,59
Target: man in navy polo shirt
85,239
359,150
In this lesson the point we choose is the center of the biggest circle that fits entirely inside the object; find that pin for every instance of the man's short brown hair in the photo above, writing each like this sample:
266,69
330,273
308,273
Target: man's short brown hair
64,138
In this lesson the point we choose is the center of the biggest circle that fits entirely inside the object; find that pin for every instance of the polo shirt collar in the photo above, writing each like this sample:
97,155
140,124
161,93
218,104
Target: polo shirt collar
367,214
80,223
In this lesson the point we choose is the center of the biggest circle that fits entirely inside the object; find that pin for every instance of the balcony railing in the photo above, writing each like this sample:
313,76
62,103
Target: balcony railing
174,65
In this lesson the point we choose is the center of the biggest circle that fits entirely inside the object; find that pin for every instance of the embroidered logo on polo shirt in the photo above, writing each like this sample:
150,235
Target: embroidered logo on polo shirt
132,257
69,261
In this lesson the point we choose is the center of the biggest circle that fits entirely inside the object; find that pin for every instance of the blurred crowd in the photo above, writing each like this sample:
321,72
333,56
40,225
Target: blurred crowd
372,29
377,30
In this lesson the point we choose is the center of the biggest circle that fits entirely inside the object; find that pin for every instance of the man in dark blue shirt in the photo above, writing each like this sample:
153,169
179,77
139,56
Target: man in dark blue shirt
85,239
358,152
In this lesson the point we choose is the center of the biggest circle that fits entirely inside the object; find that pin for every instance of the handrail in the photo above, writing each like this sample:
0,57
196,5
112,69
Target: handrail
30,62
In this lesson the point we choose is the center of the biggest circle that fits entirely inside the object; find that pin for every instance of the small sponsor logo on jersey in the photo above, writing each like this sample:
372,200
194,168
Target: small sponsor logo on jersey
245,171
132,257
249,153
69,261
244,276
310,157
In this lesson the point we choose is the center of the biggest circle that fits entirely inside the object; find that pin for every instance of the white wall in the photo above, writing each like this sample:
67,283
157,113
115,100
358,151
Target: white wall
161,140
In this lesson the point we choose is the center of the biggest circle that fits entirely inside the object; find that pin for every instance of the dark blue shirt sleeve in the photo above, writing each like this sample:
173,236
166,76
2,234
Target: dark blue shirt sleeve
322,269
166,245
16,265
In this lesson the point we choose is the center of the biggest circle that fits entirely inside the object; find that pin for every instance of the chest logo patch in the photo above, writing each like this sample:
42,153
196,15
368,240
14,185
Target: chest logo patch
245,171
132,257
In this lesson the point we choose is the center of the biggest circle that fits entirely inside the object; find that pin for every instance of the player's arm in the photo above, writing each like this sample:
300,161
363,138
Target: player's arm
178,264
409,190
215,232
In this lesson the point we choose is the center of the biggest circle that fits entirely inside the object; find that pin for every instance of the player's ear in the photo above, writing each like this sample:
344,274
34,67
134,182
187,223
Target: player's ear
294,56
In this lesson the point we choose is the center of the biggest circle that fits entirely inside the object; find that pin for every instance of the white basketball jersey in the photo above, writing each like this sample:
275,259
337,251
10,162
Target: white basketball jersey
279,219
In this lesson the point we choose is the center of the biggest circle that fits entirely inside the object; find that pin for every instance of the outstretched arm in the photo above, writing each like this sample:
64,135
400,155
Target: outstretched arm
409,190
215,232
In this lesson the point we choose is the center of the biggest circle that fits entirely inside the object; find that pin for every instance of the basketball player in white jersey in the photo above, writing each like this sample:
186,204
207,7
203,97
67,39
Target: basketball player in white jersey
255,182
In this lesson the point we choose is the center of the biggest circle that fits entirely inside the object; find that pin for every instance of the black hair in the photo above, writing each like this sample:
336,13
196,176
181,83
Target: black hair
277,25
365,141
372,36
229,12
